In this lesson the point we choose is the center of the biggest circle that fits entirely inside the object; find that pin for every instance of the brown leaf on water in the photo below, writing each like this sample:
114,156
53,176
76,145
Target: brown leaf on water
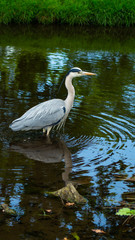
98,231
48,210
68,204
65,238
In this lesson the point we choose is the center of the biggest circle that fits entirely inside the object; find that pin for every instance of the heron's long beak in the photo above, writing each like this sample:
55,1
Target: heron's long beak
89,73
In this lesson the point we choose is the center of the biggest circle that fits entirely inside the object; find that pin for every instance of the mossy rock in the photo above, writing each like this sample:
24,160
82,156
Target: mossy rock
69,194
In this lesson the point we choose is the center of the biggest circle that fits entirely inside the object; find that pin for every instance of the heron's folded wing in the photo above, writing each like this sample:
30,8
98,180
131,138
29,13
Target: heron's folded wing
42,115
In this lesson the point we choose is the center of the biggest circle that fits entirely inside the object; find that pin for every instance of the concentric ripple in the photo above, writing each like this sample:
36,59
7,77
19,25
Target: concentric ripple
109,139
117,127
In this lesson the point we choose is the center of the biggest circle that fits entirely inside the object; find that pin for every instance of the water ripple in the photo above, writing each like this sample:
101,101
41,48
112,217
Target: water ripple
110,138
117,127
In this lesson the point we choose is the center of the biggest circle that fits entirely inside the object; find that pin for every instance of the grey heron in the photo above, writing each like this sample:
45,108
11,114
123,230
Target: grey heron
50,113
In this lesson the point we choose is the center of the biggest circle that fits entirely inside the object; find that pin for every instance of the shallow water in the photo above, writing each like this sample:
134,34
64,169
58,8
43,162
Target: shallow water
96,144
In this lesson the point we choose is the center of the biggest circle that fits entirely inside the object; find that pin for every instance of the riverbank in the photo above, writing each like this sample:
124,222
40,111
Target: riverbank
96,12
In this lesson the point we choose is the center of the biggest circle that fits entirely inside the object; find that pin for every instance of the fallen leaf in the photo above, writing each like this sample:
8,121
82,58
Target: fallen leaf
48,210
98,231
68,204
65,238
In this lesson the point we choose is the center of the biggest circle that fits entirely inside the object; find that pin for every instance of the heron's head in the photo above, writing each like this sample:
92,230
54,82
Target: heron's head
77,72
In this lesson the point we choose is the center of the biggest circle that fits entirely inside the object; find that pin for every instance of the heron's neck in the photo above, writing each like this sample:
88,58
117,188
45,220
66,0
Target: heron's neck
71,93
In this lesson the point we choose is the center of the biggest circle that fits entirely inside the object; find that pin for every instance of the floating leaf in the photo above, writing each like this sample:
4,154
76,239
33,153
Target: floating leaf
48,210
125,212
98,230
68,204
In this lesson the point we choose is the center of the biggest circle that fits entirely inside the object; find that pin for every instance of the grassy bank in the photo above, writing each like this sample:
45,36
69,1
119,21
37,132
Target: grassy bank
97,12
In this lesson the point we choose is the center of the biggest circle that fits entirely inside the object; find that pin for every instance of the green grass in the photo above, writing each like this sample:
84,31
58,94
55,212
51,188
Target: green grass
81,12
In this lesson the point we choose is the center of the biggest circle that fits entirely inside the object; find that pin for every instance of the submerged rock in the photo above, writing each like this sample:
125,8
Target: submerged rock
69,194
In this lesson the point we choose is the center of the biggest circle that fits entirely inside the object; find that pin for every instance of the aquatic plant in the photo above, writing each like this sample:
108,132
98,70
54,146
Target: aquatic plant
126,212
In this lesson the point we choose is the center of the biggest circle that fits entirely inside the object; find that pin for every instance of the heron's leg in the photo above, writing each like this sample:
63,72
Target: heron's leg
48,131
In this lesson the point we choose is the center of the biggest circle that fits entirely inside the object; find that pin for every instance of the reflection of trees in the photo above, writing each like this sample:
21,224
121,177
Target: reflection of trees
25,79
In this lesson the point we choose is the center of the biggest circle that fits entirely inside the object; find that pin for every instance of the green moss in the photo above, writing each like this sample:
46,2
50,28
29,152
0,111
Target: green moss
97,12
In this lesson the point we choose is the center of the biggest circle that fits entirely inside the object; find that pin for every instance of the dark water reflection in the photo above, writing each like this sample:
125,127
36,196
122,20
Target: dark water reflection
98,139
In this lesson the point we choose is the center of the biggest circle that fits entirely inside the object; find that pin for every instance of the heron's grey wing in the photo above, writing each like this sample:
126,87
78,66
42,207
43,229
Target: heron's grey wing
45,114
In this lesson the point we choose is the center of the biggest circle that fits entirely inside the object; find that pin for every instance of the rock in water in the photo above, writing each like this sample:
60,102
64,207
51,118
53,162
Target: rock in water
69,194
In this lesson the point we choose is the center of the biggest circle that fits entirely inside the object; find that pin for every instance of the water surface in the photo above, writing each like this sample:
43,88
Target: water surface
96,144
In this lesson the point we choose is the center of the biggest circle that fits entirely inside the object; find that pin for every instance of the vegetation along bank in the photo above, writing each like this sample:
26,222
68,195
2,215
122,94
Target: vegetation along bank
97,12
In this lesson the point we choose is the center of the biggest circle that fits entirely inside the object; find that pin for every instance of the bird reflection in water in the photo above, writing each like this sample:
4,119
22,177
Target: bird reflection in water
48,151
